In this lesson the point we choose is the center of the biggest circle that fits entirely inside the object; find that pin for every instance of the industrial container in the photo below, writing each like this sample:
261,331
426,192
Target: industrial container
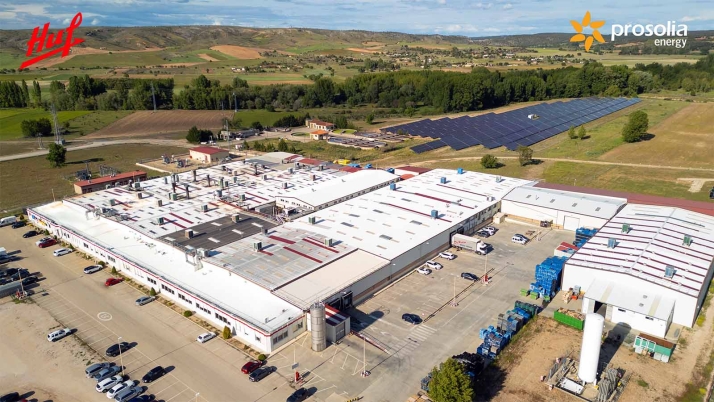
590,352
568,318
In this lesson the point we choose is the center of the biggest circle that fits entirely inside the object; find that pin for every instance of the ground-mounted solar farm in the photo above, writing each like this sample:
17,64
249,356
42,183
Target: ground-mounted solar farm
511,129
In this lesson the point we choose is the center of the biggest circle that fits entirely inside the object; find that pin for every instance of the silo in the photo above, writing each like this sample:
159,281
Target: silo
590,352
317,320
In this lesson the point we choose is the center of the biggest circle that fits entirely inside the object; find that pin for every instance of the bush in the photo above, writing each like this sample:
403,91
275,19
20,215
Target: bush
114,271
226,333
262,357
187,313
152,292
102,264
489,161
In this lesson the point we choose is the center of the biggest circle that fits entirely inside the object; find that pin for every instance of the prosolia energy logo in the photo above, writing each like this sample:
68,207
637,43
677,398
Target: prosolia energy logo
669,34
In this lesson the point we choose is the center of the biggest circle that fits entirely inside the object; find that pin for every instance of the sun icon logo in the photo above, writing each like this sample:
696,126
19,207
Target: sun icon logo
580,36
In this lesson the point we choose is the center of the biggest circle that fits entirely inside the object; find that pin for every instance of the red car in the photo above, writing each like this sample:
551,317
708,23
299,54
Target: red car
112,281
48,243
251,366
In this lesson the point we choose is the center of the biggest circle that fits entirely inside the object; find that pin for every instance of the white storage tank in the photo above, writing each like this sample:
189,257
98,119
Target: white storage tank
590,352
317,319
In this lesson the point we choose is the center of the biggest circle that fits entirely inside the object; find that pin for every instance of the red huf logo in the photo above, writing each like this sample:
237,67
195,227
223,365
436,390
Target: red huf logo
45,40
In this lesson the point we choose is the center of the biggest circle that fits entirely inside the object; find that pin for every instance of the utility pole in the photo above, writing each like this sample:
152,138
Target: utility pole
235,103
58,135
121,360
153,96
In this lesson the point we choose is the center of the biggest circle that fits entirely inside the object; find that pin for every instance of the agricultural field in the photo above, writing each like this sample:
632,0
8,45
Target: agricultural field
147,123
11,119
30,181
128,59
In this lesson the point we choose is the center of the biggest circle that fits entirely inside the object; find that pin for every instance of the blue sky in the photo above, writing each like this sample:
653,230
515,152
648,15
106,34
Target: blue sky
457,17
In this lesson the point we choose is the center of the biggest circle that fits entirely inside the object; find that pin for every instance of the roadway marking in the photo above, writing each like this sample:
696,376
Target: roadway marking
104,316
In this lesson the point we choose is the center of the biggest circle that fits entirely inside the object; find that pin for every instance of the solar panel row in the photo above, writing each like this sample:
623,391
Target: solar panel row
514,128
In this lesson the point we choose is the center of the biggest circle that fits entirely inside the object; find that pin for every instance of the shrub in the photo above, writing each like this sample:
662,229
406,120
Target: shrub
262,357
187,313
102,264
152,292
489,161
114,271
226,332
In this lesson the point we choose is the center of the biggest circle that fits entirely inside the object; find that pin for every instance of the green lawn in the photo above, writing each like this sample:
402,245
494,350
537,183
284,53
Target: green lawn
11,60
129,59
604,136
37,179
91,122
10,120
28,76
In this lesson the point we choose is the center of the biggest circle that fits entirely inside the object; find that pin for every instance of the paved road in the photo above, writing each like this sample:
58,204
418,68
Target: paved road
178,143
421,163
162,336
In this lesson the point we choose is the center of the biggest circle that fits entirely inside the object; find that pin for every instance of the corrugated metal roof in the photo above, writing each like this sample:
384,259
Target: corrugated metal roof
654,242
579,203
652,305
333,190
109,179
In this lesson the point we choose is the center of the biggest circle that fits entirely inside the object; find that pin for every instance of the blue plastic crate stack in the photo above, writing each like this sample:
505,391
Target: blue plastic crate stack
547,276
496,338
582,235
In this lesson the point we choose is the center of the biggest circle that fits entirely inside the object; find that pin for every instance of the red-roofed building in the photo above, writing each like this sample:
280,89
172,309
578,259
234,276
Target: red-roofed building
406,176
350,169
308,161
101,183
413,170
208,154
319,124
319,135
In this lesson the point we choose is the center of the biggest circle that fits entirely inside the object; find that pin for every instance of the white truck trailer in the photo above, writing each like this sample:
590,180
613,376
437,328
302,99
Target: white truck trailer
463,242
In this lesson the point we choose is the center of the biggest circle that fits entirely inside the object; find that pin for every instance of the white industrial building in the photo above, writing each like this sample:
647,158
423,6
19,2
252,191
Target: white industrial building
566,210
649,266
332,192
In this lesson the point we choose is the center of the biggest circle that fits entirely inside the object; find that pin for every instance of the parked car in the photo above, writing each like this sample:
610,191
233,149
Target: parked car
153,374
47,243
423,270
128,394
447,255
469,276
483,233
21,273
8,272
42,240
490,229
119,387
203,338
434,265
29,280
142,398
95,368
8,220
519,238
106,373
11,397
251,366
59,334
298,396
19,224
144,300
31,233
112,281
108,383
92,269
115,349
61,251
411,318
260,373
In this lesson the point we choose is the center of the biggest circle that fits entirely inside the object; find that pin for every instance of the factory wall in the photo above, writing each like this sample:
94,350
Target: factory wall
538,213
685,306
640,322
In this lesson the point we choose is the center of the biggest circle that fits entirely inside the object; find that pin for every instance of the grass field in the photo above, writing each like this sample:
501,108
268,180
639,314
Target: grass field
128,59
10,120
30,181
89,123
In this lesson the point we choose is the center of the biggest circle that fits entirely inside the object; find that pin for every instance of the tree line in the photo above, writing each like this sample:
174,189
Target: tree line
400,90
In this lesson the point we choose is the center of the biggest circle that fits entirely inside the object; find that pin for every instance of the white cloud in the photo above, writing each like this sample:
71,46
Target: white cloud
95,22
507,6
216,22
483,6
701,17
457,28
491,30
66,21
441,1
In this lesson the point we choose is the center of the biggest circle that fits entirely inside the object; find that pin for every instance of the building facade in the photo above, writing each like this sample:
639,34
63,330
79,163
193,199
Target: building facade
102,183
208,154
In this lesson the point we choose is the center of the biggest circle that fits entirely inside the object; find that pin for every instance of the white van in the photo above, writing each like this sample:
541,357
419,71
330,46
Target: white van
520,239
59,334
8,220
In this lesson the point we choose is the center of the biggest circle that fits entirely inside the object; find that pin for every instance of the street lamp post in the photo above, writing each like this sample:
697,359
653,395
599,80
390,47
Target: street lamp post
197,394
121,360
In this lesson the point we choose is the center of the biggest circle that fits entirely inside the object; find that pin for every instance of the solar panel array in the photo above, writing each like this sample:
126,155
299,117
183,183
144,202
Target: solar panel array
514,128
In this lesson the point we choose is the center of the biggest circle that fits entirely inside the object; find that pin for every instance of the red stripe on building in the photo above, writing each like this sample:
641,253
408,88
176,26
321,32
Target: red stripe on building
319,245
303,255
177,224
253,195
281,239
266,253
180,217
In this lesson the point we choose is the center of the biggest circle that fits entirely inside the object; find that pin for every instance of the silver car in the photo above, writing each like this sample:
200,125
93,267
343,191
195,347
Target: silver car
92,269
95,368
109,383
106,373
144,300
128,393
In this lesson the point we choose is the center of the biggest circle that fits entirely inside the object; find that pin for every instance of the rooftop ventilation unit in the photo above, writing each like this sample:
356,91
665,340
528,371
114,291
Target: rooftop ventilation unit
112,202
194,175
235,179
159,203
499,179
625,228
137,185
139,196
290,170
312,177
459,171
257,245
166,180
241,197
159,220
297,165
203,253
434,214
285,184
204,208
311,220
188,233
265,231
219,193
442,180
328,242
669,271
687,240
265,177
393,186
235,218
321,167
390,170
174,196
108,186
611,242
490,198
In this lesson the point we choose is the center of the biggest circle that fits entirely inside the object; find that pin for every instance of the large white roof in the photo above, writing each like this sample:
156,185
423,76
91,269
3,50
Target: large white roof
655,241
333,190
388,223
567,201
259,186
248,302
653,305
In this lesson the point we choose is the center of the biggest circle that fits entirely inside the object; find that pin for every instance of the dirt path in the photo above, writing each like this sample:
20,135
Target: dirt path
177,143
421,163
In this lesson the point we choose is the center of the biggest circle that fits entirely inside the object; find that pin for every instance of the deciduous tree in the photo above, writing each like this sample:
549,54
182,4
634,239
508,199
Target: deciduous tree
57,155
489,161
450,383
525,155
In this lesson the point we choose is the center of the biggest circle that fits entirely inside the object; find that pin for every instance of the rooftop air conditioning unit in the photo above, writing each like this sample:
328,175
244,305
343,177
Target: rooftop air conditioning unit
235,218
290,170
159,203
311,220
241,197
204,208
442,180
687,240
611,242
393,186
312,177
112,202
139,195
625,228
159,220
203,253
499,179
328,242
321,167
459,171
188,233
265,177
285,184
219,193
166,180
434,214
174,196
108,186
137,185
257,246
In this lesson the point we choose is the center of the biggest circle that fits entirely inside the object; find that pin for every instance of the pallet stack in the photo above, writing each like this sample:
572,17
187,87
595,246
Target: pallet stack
582,235
547,275
496,338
